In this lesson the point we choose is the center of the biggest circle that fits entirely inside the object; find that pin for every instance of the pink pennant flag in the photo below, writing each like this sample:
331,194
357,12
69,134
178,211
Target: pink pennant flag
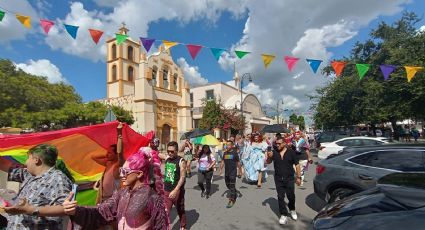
193,50
46,24
291,61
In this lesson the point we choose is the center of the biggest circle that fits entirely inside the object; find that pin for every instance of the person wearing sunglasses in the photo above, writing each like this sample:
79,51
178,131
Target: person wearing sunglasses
135,206
174,180
284,159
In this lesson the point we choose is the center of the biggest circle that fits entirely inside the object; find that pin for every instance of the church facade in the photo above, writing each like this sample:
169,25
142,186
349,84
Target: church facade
152,87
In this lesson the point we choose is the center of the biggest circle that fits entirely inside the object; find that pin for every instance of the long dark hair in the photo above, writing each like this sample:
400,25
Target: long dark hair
208,152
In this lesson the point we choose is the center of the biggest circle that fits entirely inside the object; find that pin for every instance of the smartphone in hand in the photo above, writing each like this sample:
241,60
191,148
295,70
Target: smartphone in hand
74,191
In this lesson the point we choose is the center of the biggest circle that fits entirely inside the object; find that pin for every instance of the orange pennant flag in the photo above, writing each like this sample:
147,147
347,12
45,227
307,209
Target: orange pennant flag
338,67
411,71
169,44
95,35
24,20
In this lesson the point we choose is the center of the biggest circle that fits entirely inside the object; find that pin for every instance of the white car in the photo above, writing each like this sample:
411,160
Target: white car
328,148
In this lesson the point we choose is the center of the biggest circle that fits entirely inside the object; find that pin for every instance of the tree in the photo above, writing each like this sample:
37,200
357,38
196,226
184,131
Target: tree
371,100
297,120
29,101
215,115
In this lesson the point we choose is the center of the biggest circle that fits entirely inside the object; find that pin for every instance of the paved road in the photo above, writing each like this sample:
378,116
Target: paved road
254,209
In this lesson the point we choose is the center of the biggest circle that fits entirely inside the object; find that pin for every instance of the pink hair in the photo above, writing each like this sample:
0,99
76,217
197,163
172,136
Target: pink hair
142,160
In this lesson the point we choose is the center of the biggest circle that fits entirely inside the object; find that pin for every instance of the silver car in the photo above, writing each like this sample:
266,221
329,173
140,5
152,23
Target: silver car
358,169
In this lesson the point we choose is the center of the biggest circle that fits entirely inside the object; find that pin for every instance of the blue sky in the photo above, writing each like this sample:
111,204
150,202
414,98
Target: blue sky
281,27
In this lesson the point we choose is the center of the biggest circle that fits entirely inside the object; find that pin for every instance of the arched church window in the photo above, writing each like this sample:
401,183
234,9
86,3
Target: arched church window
130,55
154,75
130,73
165,78
114,51
114,73
175,78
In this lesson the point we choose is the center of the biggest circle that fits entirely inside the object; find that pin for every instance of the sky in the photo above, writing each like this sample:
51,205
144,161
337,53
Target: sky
324,30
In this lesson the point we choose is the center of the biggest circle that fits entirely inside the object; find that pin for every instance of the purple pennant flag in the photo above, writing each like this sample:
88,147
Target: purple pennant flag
387,70
147,43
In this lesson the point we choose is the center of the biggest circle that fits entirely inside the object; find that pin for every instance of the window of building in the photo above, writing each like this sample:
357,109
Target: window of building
209,94
114,51
114,73
130,73
154,75
175,78
130,55
191,100
165,78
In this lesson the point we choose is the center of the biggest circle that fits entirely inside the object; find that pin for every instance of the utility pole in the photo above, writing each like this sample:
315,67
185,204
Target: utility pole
278,111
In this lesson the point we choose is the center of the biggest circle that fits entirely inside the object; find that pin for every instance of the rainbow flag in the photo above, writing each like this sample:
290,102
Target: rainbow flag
76,148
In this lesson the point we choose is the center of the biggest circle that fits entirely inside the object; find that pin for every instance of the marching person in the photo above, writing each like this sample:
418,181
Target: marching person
254,159
206,163
303,153
174,180
187,149
284,160
231,163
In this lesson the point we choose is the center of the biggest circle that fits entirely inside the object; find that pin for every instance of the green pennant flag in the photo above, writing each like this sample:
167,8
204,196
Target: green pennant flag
2,15
362,69
121,38
241,54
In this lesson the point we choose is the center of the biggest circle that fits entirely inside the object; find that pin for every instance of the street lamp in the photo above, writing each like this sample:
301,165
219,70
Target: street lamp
248,76
277,109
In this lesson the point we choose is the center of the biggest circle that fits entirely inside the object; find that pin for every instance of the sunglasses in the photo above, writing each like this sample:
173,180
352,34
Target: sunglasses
281,143
126,171
171,151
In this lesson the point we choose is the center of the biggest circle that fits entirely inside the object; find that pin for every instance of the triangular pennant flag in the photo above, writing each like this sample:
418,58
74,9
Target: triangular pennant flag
291,61
169,44
95,35
72,30
338,67
46,25
362,69
25,20
314,64
2,13
193,50
217,52
147,43
267,59
120,38
411,71
387,70
241,54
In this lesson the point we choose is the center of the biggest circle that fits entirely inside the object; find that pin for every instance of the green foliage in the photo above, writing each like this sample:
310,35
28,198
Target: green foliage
28,101
349,101
297,120
214,115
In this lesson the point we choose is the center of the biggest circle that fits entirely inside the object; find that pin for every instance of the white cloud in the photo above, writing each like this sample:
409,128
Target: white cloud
263,95
299,87
12,29
298,75
422,28
43,68
191,73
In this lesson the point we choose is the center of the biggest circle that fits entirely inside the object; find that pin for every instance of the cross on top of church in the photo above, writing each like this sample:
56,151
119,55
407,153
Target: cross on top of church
123,29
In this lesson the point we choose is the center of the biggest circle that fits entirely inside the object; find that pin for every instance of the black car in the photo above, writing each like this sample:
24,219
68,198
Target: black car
397,202
356,169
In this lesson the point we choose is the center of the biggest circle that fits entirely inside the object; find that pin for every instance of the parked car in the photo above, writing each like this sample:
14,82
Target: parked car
359,168
330,136
329,148
398,202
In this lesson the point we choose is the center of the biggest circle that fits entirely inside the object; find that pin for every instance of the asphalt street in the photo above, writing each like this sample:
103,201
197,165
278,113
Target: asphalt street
255,208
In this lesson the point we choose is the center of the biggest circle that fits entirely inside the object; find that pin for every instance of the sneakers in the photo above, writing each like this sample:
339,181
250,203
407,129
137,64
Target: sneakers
207,196
283,219
230,204
203,193
294,215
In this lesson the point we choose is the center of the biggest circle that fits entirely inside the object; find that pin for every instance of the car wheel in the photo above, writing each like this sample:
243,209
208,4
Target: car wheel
339,193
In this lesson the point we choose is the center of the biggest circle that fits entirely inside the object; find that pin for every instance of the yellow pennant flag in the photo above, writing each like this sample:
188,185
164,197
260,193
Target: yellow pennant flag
169,44
25,20
411,71
267,59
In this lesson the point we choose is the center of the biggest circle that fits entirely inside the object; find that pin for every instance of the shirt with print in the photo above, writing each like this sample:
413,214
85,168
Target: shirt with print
301,146
204,163
231,160
50,188
172,173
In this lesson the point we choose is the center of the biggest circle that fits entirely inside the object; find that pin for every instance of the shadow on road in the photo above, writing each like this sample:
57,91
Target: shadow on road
191,217
314,202
214,188
273,204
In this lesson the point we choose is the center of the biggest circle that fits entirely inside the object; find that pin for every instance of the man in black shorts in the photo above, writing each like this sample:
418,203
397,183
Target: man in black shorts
230,162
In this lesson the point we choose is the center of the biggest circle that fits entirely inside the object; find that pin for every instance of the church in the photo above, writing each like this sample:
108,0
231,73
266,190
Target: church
152,87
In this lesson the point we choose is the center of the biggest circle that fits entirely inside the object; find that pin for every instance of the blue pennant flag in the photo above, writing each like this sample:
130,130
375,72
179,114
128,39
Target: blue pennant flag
314,64
217,52
72,30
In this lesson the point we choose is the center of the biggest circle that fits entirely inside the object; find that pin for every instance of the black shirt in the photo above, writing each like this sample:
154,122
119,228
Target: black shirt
283,167
231,159
172,173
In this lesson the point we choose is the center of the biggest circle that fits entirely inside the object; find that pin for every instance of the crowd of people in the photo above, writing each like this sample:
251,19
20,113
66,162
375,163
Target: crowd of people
137,194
